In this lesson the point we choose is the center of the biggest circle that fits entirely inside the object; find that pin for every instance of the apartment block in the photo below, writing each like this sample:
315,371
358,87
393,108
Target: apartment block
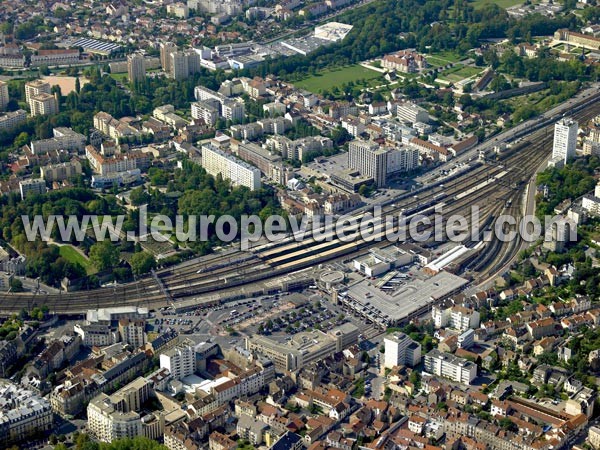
64,139
457,317
43,105
96,335
240,173
136,67
121,162
180,361
120,415
132,331
4,98
166,114
166,48
403,159
32,186
207,110
233,110
565,139
22,414
269,164
412,113
369,159
60,172
10,120
36,87
400,350
448,366
115,128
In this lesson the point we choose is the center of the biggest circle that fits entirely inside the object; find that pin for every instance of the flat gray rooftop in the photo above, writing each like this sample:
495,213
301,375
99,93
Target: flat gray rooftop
407,298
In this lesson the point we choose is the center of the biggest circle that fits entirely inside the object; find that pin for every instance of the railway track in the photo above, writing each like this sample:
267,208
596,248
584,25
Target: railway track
503,254
235,268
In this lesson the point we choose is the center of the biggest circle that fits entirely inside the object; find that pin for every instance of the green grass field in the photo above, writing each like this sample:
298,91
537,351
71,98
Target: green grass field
71,254
434,61
459,73
119,76
502,3
448,56
336,77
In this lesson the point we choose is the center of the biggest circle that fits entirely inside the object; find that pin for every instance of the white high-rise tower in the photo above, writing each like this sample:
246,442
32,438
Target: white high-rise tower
565,139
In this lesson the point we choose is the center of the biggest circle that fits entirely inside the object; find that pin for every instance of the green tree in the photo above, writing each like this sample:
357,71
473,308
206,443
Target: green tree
104,255
22,139
16,285
142,262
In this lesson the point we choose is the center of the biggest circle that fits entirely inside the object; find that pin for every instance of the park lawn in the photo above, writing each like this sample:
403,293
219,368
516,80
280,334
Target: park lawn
72,255
459,73
447,56
435,62
329,79
119,76
501,3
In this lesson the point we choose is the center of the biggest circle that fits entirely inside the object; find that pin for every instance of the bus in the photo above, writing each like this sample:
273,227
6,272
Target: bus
233,313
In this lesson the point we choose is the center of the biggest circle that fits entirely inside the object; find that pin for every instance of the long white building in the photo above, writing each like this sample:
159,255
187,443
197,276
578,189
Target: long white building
240,173
9,120
64,139
412,113
448,366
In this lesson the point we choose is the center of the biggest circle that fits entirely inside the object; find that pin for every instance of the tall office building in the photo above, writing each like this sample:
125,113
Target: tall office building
400,350
136,67
166,48
369,159
3,95
565,139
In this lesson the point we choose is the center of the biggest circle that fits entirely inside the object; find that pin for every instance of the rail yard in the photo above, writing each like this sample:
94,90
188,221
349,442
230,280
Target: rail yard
495,184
